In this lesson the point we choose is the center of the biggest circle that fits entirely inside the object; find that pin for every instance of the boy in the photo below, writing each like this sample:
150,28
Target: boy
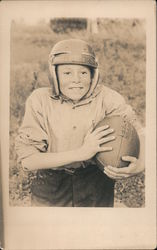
57,136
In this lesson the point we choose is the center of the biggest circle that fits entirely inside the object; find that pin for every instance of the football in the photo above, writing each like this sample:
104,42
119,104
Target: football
126,143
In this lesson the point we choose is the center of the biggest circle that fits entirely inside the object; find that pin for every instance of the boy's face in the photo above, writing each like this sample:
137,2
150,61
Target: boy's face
74,80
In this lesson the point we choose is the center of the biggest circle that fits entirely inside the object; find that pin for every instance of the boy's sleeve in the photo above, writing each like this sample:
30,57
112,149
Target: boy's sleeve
116,105
32,136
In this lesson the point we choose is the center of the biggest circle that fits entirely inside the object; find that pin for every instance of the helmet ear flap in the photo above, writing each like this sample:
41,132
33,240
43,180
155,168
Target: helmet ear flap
94,81
53,79
95,77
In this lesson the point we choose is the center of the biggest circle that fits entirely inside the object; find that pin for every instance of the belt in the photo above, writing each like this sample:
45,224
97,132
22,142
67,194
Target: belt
71,171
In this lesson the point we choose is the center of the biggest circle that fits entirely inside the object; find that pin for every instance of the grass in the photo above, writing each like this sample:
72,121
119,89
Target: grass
121,51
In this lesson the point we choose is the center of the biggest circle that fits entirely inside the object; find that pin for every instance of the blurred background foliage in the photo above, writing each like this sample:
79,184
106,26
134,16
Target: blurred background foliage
120,45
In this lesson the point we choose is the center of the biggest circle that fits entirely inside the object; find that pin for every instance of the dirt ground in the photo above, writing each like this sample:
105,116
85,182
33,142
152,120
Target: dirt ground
121,51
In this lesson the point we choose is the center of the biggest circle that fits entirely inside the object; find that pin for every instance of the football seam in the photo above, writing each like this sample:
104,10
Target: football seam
119,152
101,163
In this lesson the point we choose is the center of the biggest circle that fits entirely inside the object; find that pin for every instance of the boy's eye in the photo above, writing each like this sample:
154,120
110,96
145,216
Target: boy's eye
83,72
67,73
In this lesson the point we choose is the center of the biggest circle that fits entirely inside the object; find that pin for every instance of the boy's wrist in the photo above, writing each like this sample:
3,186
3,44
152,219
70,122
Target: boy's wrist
79,154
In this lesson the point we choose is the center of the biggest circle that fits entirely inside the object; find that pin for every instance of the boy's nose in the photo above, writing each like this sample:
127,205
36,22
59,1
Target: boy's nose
76,78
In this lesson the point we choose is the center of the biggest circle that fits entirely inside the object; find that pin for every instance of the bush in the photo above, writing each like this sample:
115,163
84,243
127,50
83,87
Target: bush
63,25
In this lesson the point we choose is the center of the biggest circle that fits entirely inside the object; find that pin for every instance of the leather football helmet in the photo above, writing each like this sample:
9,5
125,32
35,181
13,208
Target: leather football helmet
72,51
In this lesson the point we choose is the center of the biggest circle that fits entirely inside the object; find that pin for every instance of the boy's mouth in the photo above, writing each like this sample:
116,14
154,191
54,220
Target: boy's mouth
77,87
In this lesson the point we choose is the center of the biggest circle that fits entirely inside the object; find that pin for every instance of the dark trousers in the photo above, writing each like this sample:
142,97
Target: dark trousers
86,187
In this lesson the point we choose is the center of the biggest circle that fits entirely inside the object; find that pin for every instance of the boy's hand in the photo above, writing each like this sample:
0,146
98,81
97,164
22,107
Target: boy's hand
93,140
135,167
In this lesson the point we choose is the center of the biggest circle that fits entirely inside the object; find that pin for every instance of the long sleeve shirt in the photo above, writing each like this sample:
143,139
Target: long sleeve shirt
56,125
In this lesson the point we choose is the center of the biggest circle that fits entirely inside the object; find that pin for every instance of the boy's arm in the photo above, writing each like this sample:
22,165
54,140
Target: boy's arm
91,145
50,160
32,137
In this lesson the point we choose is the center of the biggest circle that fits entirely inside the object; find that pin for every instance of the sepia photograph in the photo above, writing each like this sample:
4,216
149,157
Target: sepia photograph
78,125
77,113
